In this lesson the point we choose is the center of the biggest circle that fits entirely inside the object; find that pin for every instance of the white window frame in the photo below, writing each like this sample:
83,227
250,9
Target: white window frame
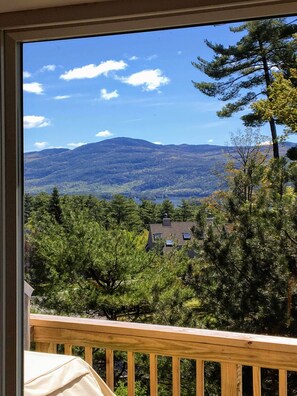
104,17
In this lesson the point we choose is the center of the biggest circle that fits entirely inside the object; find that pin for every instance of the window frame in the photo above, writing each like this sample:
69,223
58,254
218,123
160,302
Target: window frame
104,17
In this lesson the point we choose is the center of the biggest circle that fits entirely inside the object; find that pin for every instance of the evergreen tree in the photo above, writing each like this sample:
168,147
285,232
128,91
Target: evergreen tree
166,210
184,211
243,71
125,212
148,212
54,207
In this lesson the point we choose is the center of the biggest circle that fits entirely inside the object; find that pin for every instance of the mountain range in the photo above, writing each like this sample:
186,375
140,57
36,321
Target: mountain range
132,167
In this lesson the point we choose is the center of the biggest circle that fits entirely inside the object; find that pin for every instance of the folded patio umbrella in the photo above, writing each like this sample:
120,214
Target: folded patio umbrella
48,374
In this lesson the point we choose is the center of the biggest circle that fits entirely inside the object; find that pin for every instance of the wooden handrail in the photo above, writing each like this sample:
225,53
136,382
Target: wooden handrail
230,349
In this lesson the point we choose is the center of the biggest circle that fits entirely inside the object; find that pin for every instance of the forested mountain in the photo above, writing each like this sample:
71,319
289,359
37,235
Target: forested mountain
127,166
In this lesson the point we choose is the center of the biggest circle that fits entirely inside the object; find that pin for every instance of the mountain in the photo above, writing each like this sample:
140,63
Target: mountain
127,166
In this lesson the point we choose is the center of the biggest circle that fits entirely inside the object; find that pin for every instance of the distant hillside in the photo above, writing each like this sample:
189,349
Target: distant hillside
128,166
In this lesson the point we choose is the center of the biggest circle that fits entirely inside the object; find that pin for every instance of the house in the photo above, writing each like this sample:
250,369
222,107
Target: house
170,233
33,20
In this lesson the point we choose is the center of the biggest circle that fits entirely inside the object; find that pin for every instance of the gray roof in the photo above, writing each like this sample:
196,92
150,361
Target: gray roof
173,232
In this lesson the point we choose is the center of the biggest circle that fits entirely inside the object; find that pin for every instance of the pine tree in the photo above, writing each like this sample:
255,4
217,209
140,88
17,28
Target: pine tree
243,71
54,207
125,212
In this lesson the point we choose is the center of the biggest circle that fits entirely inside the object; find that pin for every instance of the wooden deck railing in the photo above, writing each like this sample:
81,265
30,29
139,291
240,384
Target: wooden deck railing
231,350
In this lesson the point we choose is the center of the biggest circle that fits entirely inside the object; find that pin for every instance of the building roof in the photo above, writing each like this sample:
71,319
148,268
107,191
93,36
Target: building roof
173,233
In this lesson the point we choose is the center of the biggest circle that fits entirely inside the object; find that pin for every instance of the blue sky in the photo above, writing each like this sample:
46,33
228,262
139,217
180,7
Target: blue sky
134,85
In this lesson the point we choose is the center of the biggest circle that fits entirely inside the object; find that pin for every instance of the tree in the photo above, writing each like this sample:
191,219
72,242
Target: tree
54,207
243,72
81,268
184,211
282,102
147,212
246,277
166,209
124,212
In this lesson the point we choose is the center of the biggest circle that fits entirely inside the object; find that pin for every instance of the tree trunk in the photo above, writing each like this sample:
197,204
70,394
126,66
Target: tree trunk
271,121
274,138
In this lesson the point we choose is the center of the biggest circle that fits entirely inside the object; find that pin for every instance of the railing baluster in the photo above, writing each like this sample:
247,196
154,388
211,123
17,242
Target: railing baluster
89,355
47,347
67,349
109,368
231,379
52,348
199,377
153,375
283,389
131,374
256,381
175,376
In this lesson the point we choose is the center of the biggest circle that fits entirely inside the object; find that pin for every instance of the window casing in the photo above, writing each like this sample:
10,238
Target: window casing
104,17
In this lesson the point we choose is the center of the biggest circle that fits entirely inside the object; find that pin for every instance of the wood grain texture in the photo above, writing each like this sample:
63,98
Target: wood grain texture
110,368
229,379
175,376
48,347
199,377
230,349
131,374
67,349
217,346
283,386
89,355
153,375
256,381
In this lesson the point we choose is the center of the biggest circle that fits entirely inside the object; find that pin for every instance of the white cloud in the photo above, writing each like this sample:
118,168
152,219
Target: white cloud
265,143
48,68
158,143
133,58
151,57
74,145
92,71
210,141
149,79
33,121
105,133
41,145
33,87
108,95
26,74
61,97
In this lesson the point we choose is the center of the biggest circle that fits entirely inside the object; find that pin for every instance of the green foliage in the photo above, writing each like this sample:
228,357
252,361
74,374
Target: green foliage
125,212
54,208
242,72
281,103
247,275
244,277
122,389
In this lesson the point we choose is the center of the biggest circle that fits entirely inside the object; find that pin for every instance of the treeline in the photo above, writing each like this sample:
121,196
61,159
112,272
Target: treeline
87,257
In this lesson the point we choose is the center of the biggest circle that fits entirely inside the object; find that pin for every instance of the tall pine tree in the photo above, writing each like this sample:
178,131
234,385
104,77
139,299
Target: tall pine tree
243,71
